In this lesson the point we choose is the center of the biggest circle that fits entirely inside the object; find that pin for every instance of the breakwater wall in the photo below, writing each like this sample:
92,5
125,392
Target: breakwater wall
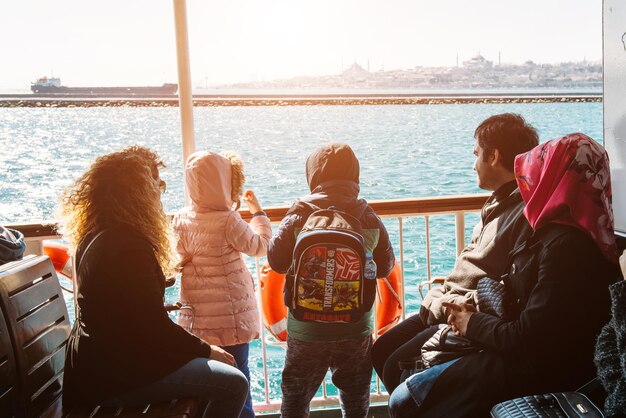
290,100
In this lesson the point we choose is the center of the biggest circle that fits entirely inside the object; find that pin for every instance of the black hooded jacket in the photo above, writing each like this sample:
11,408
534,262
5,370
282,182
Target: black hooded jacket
333,176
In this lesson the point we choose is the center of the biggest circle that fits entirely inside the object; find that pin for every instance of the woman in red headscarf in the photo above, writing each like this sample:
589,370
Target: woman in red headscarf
557,283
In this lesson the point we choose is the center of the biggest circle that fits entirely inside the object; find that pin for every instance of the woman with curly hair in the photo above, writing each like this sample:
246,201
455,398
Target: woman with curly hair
124,349
212,236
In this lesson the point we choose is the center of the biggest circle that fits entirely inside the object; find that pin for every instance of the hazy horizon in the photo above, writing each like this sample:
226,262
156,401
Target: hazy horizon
239,41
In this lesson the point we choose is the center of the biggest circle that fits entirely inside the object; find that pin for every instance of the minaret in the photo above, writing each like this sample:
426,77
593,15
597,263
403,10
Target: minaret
457,59
499,58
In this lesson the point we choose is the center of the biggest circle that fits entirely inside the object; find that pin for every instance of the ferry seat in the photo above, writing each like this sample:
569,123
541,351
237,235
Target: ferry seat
180,307
33,337
429,283
8,377
38,327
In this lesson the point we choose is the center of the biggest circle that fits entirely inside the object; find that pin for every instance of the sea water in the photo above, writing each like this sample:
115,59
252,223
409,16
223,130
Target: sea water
405,151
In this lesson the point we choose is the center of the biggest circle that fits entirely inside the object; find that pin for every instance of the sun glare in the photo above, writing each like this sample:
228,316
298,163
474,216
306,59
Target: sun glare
241,40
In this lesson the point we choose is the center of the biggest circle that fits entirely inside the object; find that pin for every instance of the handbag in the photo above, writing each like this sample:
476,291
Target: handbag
446,345
548,405
12,245
491,297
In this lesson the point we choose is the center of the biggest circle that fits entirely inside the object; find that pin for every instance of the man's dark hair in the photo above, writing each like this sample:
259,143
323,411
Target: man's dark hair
508,133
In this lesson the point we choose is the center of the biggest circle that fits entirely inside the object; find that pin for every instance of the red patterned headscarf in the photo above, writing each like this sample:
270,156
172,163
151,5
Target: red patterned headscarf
568,181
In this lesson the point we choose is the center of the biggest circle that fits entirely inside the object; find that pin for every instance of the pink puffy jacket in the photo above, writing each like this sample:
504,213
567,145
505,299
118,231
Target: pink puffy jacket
215,279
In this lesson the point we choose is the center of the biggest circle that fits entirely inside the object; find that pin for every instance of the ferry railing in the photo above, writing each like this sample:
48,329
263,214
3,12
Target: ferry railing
400,209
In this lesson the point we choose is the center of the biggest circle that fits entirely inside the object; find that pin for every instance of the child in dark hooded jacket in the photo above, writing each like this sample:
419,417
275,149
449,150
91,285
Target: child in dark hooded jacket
312,348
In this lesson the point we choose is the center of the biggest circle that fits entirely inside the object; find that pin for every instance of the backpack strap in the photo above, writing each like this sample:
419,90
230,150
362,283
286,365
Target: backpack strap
82,256
355,211
78,314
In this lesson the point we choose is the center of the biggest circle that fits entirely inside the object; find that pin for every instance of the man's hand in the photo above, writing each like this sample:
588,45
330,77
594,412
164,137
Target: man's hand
219,354
459,315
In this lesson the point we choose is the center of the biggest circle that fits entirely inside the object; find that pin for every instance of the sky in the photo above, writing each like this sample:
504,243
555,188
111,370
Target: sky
131,42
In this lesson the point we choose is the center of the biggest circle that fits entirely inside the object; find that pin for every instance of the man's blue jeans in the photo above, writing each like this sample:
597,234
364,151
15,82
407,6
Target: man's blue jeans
223,387
240,352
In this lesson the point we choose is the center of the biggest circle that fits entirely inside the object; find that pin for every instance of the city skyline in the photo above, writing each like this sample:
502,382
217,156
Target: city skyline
462,63
132,42
475,73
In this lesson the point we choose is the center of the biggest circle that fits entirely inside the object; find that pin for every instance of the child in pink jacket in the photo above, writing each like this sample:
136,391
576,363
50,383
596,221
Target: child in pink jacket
212,236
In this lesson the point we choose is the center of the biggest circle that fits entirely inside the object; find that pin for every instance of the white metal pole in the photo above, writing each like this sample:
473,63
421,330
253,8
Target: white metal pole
185,99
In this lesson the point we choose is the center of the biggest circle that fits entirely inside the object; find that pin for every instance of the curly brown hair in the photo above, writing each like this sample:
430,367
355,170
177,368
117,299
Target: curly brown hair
120,188
238,178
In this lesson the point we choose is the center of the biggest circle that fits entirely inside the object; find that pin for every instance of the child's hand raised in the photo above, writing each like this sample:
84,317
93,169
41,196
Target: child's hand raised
250,199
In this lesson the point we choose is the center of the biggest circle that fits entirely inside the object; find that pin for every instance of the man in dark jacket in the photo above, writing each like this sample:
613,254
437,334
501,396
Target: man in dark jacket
499,139
312,348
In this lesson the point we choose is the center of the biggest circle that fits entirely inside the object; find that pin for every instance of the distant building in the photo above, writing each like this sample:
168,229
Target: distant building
477,62
355,70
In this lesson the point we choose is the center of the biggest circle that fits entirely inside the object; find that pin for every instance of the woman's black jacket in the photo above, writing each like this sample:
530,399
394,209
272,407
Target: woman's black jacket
122,338
558,282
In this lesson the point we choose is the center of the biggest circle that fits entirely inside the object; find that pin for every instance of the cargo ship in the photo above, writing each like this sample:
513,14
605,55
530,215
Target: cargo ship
52,85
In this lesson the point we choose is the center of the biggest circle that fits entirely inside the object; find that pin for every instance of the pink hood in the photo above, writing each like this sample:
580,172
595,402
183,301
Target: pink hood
208,178
211,238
